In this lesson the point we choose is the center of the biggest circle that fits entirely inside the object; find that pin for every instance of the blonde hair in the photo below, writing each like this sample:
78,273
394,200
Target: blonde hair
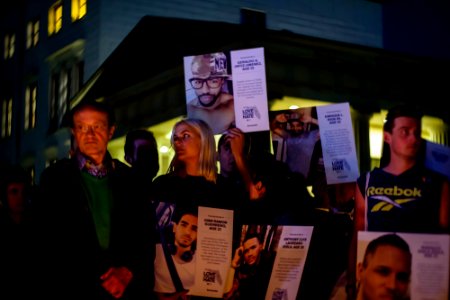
207,155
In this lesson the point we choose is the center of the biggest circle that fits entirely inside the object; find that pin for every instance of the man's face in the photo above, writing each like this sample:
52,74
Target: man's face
252,250
226,158
296,127
209,91
405,138
92,133
185,231
386,275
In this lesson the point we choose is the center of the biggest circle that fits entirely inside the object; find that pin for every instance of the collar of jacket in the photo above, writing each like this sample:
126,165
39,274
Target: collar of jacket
85,164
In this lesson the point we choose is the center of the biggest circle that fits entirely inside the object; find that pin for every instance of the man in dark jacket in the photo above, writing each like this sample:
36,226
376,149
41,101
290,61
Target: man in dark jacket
95,232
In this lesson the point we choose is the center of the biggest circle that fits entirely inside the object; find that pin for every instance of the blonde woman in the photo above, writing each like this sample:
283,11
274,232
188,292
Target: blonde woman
195,150
190,182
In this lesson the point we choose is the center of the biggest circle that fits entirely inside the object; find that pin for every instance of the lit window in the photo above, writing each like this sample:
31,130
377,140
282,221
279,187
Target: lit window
55,18
32,33
79,9
30,106
9,45
6,117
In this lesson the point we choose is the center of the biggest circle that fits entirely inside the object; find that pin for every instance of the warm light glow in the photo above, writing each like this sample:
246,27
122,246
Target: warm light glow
376,142
288,102
164,149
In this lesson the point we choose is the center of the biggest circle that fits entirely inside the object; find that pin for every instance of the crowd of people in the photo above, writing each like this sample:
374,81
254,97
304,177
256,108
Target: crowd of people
102,229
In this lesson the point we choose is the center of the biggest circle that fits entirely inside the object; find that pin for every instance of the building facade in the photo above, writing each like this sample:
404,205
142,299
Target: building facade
55,53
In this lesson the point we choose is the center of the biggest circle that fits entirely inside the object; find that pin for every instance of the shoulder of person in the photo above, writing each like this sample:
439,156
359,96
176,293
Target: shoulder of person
165,181
164,178
375,171
61,165
121,166
361,181
59,175
226,98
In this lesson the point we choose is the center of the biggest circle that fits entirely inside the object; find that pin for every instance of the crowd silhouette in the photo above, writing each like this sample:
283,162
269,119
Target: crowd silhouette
93,223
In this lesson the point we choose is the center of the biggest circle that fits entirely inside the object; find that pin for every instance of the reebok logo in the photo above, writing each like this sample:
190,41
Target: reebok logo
394,191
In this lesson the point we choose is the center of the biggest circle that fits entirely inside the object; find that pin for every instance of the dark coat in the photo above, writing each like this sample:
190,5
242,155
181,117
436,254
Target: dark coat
67,244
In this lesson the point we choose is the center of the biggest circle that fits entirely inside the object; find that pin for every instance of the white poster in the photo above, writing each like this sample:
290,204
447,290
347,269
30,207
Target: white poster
268,262
228,89
250,91
338,143
423,275
193,250
289,262
215,232
317,142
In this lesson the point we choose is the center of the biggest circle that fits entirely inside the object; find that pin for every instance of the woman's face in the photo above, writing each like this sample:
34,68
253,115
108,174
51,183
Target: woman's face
186,143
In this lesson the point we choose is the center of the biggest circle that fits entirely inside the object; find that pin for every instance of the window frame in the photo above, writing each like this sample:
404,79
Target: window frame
33,28
9,45
30,106
55,18
6,117
78,9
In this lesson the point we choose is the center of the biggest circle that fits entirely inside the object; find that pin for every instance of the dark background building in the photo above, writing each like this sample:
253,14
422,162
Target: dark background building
368,53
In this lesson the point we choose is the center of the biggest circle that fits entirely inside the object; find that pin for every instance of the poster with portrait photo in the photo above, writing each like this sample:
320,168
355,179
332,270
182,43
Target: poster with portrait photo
268,262
227,89
193,250
317,142
429,263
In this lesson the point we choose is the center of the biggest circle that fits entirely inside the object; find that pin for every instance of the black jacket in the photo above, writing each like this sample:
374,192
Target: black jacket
67,245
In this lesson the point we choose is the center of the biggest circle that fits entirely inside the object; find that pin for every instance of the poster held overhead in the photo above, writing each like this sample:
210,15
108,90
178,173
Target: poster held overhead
316,142
227,89
250,90
338,143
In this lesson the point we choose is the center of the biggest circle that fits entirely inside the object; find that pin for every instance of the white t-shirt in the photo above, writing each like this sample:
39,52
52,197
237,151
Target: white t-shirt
163,281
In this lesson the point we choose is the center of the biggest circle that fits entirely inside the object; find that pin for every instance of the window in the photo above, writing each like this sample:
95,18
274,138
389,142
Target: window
32,33
64,85
30,106
6,117
9,45
55,18
79,9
